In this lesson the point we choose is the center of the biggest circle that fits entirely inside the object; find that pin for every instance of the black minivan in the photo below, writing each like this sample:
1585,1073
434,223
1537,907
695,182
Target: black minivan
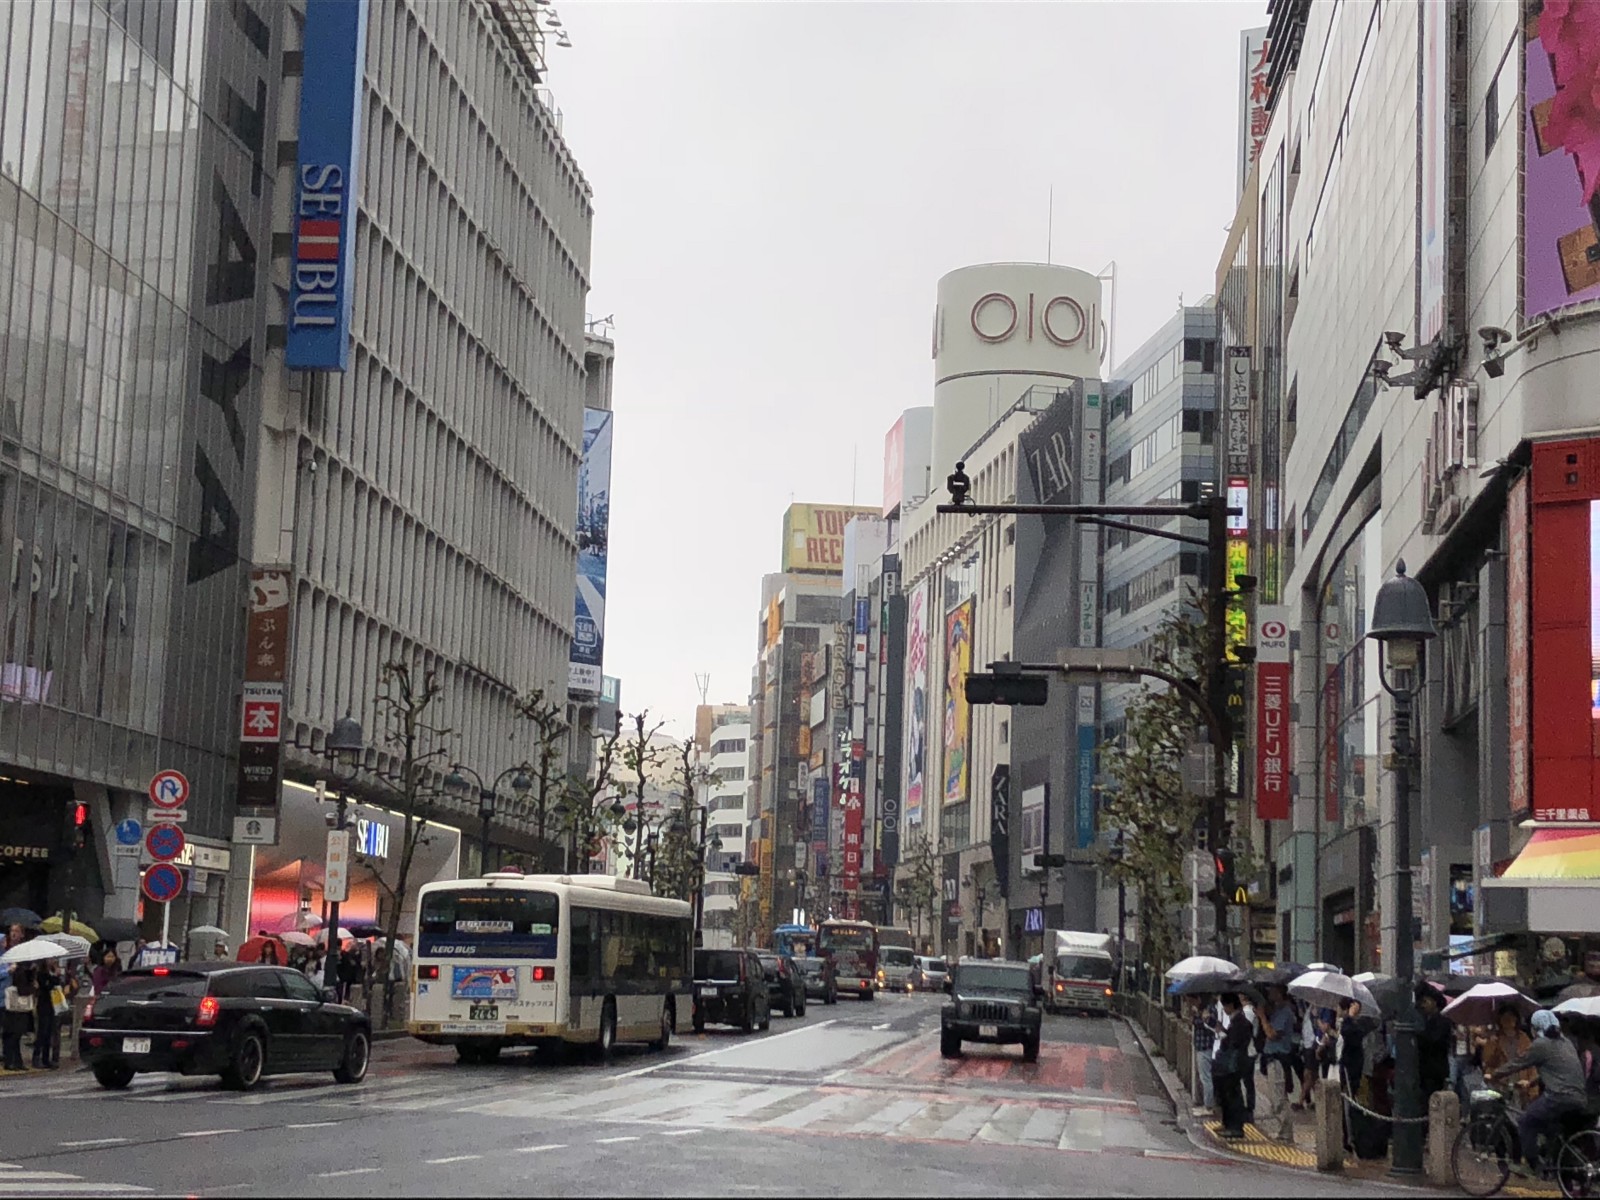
237,1020
730,988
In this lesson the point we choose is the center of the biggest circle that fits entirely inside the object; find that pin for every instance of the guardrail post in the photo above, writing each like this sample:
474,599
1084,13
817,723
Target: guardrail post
1330,1125
1444,1123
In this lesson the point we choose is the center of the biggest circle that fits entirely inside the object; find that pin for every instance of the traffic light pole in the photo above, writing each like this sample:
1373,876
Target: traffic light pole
1212,698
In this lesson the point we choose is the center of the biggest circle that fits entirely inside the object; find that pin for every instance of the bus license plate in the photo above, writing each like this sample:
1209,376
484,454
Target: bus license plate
483,1012
136,1045
988,1031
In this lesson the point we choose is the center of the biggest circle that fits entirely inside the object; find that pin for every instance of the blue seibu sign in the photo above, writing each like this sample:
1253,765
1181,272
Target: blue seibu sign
321,298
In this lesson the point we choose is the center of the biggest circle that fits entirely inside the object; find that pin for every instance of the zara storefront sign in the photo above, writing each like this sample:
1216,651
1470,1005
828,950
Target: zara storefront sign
321,299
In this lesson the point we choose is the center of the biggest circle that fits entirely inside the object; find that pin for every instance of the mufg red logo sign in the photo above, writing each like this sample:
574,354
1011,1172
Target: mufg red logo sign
320,296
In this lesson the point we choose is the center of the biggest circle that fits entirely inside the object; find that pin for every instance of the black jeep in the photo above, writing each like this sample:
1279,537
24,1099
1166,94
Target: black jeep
995,1002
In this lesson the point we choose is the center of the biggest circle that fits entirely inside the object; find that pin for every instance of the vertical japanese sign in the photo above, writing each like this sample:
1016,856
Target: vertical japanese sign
916,746
1518,645
1253,114
1237,411
1083,807
1272,714
853,826
265,670
321,298
957,713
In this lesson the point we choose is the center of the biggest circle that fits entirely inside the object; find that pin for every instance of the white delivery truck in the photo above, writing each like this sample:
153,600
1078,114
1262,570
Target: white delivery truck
1077,971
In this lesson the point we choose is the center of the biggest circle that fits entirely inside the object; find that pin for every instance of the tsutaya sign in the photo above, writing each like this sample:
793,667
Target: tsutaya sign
320,296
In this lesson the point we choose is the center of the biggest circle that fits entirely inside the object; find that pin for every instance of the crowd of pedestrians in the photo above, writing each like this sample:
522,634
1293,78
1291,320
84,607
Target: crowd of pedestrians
37,1007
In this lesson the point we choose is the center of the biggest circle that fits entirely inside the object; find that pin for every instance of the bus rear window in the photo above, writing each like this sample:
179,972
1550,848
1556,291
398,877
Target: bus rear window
489,922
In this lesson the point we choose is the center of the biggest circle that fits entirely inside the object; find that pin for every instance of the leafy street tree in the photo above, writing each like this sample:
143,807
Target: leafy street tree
404,700
1145,796
679,864
918,887
548,714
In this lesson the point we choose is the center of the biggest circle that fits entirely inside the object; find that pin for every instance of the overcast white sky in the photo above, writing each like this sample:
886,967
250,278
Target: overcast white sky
778,187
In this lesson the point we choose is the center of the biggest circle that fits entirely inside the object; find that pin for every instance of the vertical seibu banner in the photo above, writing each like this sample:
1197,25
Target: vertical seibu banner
1272,713
321,298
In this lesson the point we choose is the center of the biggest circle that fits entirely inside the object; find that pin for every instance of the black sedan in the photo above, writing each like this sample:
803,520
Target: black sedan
237,1020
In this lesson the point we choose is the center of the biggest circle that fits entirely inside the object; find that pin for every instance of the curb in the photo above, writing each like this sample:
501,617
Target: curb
389,1035
1177,1094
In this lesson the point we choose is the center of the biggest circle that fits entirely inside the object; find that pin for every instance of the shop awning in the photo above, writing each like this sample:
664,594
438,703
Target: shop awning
1558,854
1558,874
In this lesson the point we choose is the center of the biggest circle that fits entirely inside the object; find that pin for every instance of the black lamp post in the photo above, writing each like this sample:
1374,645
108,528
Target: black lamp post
1401,622
345,744
459,785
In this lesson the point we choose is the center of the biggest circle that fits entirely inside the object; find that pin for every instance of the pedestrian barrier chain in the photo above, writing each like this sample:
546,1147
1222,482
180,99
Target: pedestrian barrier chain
1352,1102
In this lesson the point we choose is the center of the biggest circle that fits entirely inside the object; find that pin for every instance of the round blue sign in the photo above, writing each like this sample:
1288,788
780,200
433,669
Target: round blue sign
165,842
129,832
163,882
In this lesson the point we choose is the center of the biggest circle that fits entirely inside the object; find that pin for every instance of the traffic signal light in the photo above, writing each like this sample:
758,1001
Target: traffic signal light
1228,886
1012,688
78,829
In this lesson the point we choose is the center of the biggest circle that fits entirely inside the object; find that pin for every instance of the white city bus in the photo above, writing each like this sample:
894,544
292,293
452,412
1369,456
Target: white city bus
549,961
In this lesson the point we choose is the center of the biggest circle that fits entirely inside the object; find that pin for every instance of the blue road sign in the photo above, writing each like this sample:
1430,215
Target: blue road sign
129,832
165,842
163,882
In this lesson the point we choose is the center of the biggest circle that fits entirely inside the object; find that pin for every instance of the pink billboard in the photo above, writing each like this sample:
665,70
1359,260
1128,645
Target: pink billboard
894,466
1561,133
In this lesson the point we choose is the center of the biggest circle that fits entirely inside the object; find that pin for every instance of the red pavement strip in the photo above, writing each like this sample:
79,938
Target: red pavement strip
1068,1068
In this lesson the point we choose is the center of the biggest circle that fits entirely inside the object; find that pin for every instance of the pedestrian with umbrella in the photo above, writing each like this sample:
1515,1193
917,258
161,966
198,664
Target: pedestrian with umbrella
17,1015
1433,1043
1231,1063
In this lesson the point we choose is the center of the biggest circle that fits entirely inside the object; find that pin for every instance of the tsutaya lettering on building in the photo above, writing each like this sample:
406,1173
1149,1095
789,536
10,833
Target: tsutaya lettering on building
321,298
1272,713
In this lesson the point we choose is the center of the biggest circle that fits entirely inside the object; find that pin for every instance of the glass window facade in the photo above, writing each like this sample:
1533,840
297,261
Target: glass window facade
1348,724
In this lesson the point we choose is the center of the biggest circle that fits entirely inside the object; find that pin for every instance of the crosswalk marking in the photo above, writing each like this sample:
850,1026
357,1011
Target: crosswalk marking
19,1181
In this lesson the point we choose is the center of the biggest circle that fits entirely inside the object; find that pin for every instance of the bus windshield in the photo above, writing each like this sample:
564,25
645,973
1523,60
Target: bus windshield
847,935
489,922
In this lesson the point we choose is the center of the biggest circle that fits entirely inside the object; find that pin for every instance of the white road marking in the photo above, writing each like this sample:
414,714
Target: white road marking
777,1037
207,1132
312,1125
681,1132
64,1187
350,1171
439,1162
538,1149
613,1141
880,1028
93,1142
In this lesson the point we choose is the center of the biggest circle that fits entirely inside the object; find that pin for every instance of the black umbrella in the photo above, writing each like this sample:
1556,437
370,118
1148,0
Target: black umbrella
116,929
366,931
25,917
1216,983
1282,975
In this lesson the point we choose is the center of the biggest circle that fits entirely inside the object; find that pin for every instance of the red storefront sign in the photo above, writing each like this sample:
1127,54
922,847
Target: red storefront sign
1272,714
1518,646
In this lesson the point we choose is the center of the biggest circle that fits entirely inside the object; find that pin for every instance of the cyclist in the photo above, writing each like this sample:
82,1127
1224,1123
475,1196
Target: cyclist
1561,1083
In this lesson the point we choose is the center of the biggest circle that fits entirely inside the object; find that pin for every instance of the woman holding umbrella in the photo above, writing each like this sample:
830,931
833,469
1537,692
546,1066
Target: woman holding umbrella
18,1012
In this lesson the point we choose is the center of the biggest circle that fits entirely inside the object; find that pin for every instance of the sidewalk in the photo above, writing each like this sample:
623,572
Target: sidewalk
1204,1130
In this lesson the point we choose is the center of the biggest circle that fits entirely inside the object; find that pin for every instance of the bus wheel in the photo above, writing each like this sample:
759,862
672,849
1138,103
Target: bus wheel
608,1032
669,1019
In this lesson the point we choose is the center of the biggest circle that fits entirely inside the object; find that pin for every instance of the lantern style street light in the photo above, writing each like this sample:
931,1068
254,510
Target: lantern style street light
459,785
1402,621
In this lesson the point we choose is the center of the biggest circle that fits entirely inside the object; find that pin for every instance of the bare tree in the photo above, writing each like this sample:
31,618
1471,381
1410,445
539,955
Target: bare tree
548,715
404,701
581,813
639,754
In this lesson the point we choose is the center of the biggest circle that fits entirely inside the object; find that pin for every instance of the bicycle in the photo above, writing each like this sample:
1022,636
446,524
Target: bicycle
1488,1147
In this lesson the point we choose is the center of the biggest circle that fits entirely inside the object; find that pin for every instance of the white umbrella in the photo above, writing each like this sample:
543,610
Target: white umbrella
73,945
207,931
1477,1005
293,937
1202,964
1331,968
1331,989
344,934
1584,1006
39,949
1364,977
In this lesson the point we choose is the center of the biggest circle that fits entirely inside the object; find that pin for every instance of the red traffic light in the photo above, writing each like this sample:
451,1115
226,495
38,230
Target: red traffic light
80,815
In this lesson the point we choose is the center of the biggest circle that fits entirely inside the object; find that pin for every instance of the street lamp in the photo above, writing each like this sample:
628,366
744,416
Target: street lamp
460,786
1401,622
345,745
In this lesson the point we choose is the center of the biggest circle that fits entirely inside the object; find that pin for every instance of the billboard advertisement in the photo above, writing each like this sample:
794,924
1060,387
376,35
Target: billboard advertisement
321,298
894,466
1433,133
916,746
1561,212
1272,714
957,713
813,537
1253,114
1518,629
594,522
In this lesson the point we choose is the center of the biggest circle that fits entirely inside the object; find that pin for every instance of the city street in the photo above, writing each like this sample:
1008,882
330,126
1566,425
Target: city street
848,1100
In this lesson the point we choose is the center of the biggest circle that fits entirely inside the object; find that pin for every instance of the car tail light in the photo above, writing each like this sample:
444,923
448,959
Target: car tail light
162,971
97,1041
210,1007
428,972
180,1043
541,974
